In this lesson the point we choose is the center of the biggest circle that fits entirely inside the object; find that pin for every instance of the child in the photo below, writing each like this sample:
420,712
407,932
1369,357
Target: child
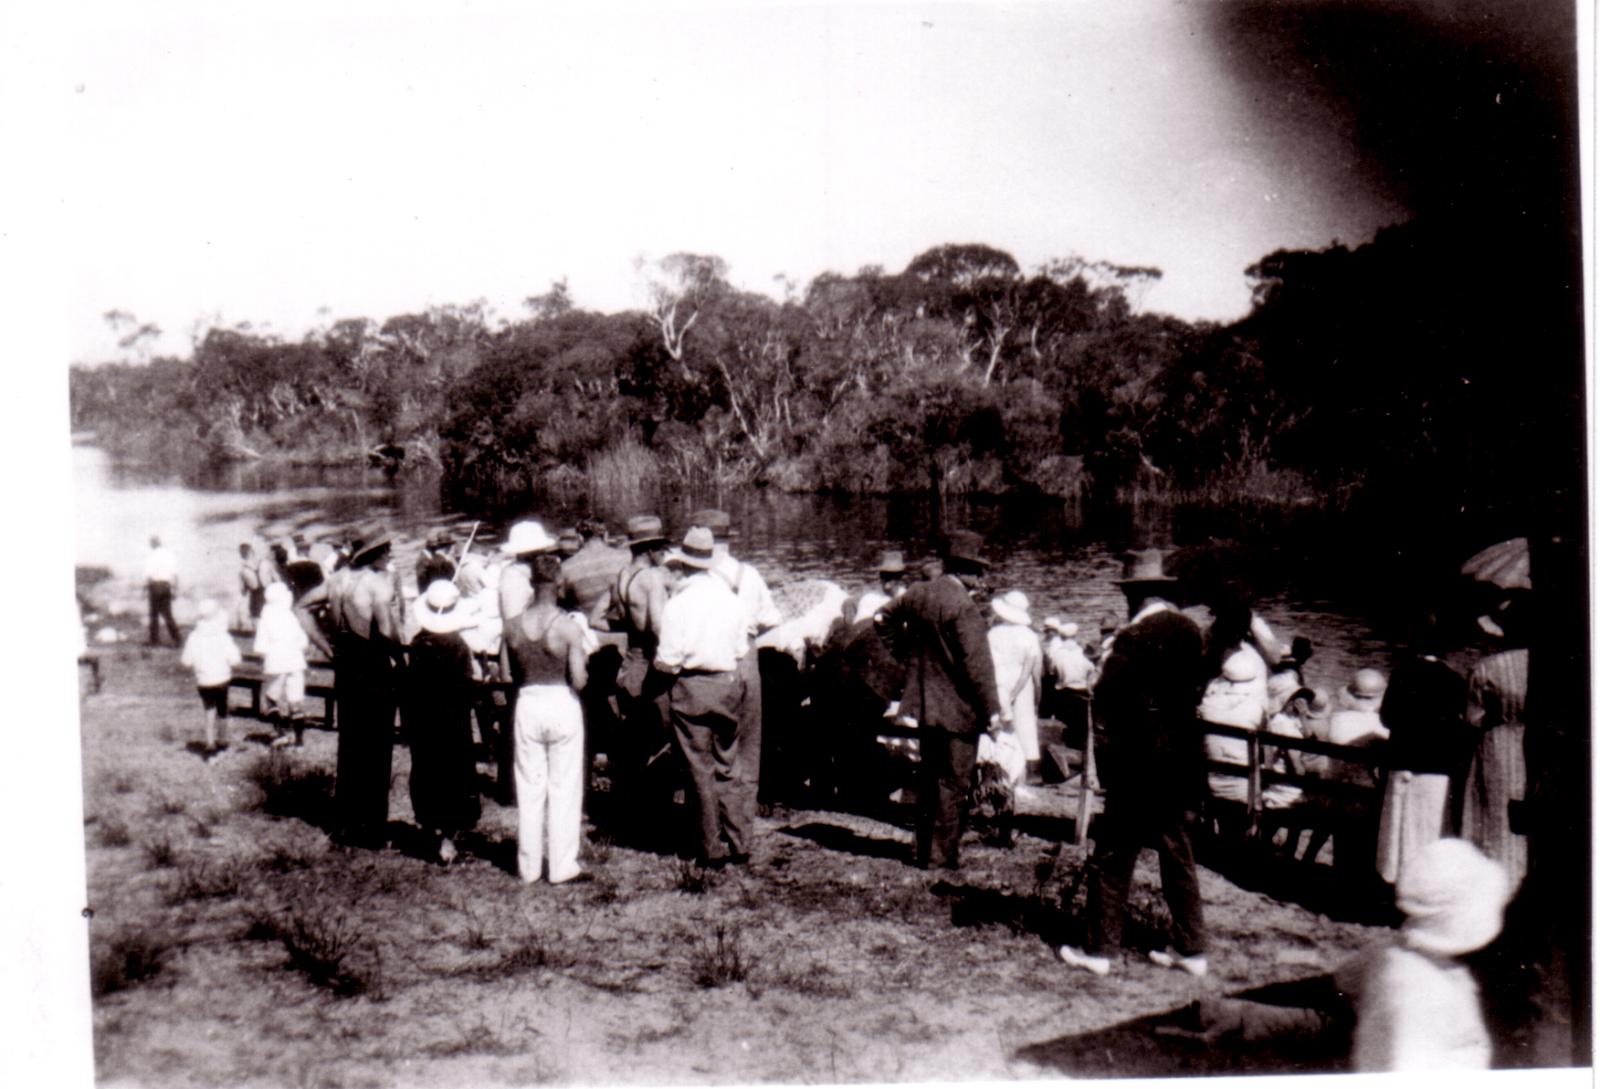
282,642
1417,1005
210,651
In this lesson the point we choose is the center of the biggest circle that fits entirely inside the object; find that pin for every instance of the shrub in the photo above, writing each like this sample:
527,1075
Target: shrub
114,833
205,880
326,948
290,789
125,959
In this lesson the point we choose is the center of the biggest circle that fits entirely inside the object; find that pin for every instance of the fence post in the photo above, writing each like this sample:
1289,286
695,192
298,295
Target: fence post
1253,806
1086,776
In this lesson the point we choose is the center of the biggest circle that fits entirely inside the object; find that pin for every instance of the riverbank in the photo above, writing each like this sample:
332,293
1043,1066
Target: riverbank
233,943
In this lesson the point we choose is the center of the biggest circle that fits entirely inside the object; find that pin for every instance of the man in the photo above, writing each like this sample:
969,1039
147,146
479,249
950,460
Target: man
639,597
160,584
589,573
1152,766
950,690
761,614
367,655
435,561
702,640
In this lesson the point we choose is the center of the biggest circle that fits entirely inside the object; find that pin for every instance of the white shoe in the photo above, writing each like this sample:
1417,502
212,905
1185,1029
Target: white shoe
1077,958
447,851
1170,958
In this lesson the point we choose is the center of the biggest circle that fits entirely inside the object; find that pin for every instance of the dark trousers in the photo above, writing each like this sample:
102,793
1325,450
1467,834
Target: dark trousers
1130,823
750,721
161,609
706,714
365,698
944,782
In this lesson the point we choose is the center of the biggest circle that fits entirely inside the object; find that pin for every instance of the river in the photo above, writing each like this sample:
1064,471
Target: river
1064,558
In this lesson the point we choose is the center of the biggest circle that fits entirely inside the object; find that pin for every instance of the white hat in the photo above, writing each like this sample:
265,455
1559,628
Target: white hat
1012,607
696,551
1067,628
277,593
1239,667
871,601
526,537
1365,689
1454,898
206,611
439,610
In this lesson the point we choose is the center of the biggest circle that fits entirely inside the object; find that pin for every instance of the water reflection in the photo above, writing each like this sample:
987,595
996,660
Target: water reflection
1064,557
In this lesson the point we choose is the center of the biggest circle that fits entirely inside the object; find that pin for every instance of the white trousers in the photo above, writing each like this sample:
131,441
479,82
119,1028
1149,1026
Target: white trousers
549,773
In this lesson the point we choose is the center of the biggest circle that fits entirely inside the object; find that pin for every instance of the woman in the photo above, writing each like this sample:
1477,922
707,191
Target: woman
438,719
1018,669
1497,780
282,643
550,666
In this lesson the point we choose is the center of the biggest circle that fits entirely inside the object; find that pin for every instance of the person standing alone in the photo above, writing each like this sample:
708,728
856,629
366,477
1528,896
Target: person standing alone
950,690
1152,765
161,584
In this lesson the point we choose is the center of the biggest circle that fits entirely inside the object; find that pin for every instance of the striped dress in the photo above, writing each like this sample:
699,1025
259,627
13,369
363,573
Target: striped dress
1496,692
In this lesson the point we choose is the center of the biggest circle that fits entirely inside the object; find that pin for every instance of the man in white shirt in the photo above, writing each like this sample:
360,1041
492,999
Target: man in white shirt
161,583
703,637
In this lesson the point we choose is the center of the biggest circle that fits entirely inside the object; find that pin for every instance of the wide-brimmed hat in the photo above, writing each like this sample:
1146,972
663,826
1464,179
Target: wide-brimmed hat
206,610
371,552
1238,667
1453,896
1145,565
963,546
439,609
1012,607
697,550
892,562
719,522
440,540
1065,628
527,537
645,529
1366,687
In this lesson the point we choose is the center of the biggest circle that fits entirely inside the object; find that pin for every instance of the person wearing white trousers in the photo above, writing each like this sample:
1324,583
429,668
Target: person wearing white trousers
550,665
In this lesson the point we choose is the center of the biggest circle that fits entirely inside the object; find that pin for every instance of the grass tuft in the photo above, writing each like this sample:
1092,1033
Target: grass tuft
290,789
160,853
205,880
326,948
169,806
114,833
718,960
126,959
692,878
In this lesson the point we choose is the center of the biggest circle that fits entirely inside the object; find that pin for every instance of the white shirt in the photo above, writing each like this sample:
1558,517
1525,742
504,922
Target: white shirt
761,610
161,565
211,652
1069,663
703,627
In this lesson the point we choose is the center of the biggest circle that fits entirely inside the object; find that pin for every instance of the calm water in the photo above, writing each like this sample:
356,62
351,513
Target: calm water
1064,559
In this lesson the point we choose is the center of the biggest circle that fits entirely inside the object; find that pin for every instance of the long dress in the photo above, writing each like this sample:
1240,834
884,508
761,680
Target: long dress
1422,709
1496,692
437,712
1018,667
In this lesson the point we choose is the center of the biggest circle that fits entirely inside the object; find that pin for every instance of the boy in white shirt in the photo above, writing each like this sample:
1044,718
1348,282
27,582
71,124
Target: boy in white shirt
211,652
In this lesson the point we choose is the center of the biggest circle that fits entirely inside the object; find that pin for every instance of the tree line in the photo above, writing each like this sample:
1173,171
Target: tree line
1382,366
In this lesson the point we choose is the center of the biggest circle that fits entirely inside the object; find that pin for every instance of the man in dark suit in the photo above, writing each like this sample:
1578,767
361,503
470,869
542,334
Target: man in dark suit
1152,766
950,690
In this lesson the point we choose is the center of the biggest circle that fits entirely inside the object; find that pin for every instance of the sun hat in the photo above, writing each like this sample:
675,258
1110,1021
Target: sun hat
526,538
1012,607
1281,687
1238,667
1066,628
439,609
470,577
1366,687
645,529
569,540
1145,565
719,522
963,546
892,562
206,610
1453,896
277,593
371,552
696,551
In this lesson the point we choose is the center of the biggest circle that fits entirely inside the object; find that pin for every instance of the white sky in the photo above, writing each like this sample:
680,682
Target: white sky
376,158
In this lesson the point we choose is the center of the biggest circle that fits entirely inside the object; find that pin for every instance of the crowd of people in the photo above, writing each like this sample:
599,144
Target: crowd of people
651,654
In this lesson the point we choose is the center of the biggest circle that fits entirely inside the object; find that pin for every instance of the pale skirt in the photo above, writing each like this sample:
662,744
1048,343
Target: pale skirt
1413,816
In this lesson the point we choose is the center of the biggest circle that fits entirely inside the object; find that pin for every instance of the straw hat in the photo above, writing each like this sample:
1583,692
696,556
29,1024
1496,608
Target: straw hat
1366,688
717,521
1239,667
570,540
1012,607
696,551
439,609
1065,628
1145,565
645,529
526,538
1454,898
892,562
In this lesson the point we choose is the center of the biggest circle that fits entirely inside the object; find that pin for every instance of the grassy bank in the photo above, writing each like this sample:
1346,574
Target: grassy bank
234,944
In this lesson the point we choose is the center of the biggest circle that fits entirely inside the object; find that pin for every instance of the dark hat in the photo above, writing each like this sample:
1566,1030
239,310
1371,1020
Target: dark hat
569,540
892,562
717,521
963,546
440,540
1145,565
696,551
645,529
371,552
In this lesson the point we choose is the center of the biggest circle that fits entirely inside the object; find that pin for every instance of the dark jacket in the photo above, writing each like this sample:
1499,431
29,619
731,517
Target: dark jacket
1145,703
939,633
1424,707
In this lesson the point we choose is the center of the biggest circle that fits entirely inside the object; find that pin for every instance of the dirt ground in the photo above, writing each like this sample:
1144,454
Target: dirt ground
233,944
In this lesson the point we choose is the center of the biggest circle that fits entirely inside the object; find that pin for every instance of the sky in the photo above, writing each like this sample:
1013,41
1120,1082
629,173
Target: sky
293,164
